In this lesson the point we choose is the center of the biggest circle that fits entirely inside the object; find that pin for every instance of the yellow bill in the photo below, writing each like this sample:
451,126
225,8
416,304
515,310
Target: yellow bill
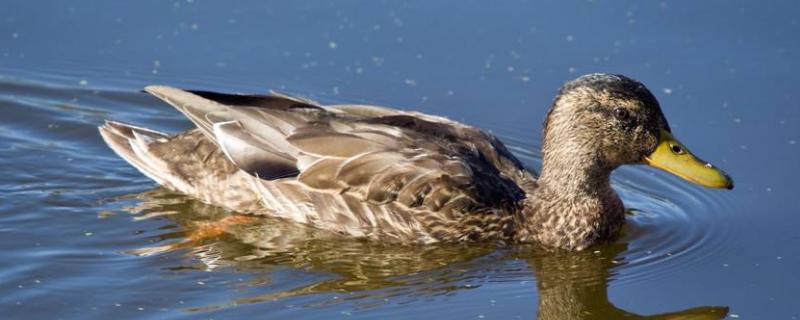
672,156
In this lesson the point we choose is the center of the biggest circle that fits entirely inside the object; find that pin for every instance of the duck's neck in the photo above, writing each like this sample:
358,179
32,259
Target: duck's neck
574,204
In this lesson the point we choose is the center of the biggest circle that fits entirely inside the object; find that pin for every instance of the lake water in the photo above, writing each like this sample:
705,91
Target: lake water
83,235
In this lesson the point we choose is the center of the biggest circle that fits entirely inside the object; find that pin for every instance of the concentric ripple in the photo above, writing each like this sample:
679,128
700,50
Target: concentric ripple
673,224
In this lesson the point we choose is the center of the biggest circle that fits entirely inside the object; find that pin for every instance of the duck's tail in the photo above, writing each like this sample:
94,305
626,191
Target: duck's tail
133,143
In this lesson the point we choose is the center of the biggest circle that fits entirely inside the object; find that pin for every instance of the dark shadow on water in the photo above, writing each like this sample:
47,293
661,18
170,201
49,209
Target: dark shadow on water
571,285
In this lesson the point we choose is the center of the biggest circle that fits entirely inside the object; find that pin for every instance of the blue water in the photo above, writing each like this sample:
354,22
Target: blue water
75,219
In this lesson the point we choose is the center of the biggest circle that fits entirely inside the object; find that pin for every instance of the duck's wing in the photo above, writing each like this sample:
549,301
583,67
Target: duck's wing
250,129
380,155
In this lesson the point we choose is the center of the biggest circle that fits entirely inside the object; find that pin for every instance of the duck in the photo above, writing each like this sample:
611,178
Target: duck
404,177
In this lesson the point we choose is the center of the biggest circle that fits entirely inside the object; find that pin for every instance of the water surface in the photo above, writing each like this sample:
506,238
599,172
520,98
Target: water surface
85,236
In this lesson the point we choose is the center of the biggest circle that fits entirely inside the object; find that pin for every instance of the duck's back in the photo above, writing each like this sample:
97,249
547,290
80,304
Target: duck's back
360,170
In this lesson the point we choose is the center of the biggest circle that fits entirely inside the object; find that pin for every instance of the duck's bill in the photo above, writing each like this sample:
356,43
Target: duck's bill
672,156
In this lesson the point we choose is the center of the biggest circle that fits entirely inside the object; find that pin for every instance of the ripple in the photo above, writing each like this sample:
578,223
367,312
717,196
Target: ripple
674,225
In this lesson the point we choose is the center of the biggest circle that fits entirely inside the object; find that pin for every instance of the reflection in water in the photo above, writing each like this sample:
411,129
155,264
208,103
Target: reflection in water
571,285
574,285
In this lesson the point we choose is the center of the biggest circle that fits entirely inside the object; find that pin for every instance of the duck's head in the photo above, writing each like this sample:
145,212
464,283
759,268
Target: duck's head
601,121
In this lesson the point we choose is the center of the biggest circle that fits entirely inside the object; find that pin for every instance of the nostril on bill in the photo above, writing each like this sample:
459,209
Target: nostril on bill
676,149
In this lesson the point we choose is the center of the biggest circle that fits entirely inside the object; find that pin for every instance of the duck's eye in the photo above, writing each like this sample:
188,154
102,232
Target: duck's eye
621,113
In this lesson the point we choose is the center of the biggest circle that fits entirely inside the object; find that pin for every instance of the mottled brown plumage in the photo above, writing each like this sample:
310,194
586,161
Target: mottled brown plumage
386,174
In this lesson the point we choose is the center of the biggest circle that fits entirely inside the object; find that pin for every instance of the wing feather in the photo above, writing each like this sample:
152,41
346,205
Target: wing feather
360,170
322,174
374,155
332,143
252,154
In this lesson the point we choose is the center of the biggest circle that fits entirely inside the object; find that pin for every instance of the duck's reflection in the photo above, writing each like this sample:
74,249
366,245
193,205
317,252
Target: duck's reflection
574,285
571,285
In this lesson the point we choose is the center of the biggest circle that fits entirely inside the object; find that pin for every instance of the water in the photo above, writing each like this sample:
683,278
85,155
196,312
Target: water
85,236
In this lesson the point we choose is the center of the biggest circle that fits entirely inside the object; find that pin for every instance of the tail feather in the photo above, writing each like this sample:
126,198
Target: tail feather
132,144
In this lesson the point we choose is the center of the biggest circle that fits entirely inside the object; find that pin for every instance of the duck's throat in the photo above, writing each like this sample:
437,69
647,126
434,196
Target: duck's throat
573,207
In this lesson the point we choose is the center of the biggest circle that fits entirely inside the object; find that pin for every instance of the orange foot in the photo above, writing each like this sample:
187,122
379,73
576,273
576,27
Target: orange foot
205,230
